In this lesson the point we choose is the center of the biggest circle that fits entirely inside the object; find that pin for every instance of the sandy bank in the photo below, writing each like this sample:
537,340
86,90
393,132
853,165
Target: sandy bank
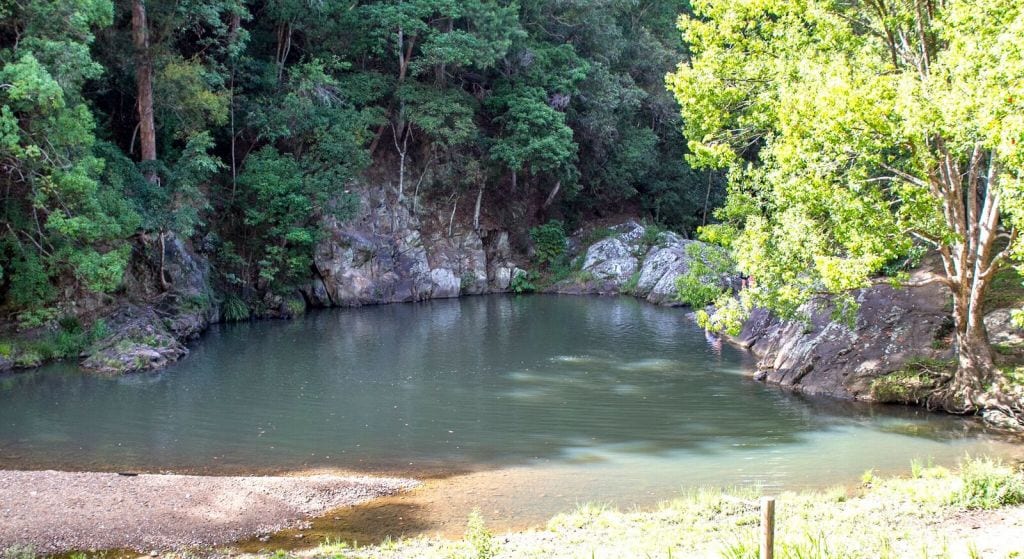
59,511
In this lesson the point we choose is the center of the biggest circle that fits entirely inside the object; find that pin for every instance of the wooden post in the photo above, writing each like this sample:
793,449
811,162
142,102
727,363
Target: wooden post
767,527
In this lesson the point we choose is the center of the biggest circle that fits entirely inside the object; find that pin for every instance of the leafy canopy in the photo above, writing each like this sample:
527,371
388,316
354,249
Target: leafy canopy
834,132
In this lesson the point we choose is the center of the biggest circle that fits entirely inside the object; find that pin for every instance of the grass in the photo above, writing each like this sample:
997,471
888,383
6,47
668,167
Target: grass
630,287
988,484
235,309
68,340
882,518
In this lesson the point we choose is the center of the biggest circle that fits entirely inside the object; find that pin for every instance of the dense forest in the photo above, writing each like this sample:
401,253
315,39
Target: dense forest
243,124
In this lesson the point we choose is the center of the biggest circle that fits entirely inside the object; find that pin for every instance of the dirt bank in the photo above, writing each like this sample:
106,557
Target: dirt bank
60,511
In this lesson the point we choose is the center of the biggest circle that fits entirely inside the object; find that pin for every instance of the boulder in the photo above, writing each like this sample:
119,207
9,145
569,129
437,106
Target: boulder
445,284
611,259
661,267
1001,329
140,340
502,276
826,357
383,256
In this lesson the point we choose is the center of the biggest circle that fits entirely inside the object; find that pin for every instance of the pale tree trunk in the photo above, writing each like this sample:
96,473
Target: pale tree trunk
405,48
970,200
284,47
551,196
403,150
144,85
476,210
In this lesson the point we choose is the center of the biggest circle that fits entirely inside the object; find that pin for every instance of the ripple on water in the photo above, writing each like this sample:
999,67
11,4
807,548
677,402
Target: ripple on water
587,398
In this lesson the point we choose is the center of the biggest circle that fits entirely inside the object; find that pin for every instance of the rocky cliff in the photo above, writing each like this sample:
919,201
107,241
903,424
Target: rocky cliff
827,357
898,349
388,254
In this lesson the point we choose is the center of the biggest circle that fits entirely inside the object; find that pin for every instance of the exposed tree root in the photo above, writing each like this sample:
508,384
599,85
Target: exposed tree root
996,406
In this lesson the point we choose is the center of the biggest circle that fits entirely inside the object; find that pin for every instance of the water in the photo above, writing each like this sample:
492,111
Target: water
573,398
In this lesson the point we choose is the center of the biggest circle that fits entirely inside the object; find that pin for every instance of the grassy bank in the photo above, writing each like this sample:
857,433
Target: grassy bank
933,513
977,511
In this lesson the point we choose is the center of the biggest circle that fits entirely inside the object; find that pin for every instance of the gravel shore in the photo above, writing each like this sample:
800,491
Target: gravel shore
61,511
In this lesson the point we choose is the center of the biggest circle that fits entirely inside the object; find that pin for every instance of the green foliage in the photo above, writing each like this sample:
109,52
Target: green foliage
533,135
629,288
833,135
701,285
729,314
296,306
524,282
67,339
905,262
479,538
266,114
988,484
235,309
58,219
282,207
549,242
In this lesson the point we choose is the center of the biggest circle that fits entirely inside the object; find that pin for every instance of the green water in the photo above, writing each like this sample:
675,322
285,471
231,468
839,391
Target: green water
611,397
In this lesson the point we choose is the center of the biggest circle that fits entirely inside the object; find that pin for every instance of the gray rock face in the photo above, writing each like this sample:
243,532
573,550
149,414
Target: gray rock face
1001,329
826,357
613,263
389,255
611,259
662,266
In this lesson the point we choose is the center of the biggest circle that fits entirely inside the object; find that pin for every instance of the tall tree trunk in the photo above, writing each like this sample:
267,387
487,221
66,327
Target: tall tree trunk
144,84
975,367
403,68
551,196
971,205
476,210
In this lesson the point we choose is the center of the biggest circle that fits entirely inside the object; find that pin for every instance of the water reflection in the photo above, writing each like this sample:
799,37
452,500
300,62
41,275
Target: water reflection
461,384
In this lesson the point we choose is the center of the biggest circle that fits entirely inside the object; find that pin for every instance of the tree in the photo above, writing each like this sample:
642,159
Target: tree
851,131
60,225
144,84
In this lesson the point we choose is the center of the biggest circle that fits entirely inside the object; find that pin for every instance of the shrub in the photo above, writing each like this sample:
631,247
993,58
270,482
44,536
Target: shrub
479,538
235,309
701,285
988,484
296,306
467,282
651,234
36,318
523,282
549,241
629,288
